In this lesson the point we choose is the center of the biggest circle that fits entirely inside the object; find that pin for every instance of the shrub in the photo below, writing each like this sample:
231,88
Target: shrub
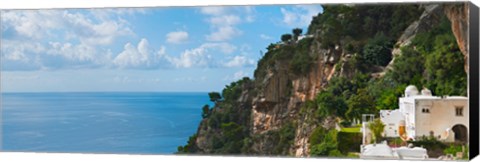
349,142
327,145
377,128
453,149
378,51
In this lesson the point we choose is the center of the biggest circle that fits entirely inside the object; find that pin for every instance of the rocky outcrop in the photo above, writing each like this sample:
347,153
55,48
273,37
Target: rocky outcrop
282,96
430,17
458,15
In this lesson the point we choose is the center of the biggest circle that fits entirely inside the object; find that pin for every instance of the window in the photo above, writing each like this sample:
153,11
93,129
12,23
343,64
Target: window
425,110
459,111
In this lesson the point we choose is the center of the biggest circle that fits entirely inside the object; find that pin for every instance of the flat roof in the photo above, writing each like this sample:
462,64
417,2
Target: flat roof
436,97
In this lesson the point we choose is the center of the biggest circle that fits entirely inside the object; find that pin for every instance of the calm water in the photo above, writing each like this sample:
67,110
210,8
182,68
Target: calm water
133,123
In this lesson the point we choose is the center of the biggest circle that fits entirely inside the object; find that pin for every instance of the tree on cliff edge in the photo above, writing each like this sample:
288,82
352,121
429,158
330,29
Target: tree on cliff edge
214,96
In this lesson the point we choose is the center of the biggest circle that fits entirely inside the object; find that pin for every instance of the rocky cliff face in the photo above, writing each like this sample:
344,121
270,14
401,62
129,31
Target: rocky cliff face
279,96
458,15
430,17
282,96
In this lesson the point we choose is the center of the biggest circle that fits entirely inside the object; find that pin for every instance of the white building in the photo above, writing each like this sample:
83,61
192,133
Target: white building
445,118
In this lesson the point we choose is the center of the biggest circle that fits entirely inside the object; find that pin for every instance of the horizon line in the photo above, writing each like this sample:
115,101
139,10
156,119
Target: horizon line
105,91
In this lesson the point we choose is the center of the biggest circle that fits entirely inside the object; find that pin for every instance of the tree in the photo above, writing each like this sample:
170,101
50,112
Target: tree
377,127
378,51
444,67
408,68
205,111
286,38
296,32
328,104
214,96
328,145
360,103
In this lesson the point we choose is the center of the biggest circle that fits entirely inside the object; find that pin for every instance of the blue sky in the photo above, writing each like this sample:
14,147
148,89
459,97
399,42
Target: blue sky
186,49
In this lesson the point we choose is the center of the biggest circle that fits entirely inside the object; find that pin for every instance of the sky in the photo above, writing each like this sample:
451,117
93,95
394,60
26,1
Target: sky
162,49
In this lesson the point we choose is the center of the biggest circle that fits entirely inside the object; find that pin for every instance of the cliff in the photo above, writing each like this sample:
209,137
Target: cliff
458,13
270,116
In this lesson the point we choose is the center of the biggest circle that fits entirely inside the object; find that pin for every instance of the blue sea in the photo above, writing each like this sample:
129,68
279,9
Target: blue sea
130,123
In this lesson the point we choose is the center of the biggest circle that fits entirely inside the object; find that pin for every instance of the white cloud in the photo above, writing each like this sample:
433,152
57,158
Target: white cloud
250,13
224,33
42,24
80,52
33,24
266,37
236,76
109,13
223,21
141,56
201,56
49,39
239,61
213,10
177,37
300,15
90,33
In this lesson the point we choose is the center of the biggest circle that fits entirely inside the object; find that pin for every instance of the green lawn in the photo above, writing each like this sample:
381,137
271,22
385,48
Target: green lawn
351,130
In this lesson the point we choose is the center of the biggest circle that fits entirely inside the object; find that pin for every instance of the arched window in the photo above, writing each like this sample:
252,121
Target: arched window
425,110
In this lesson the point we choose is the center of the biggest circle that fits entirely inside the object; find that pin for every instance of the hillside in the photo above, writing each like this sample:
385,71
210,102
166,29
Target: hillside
358,60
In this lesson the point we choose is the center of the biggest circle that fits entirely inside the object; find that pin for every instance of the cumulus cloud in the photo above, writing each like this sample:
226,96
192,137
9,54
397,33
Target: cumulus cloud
103,33
223,33
72,39
140,56
213,10
42,24
145,57
109,13
177,37
201,56
49,39
80,52
300,15
239,61
223,21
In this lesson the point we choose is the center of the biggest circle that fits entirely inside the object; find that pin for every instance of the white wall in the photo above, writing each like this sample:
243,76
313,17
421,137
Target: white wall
391,119
441,117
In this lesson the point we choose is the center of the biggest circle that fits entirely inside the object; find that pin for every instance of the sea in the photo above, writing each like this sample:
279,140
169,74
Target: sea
99,122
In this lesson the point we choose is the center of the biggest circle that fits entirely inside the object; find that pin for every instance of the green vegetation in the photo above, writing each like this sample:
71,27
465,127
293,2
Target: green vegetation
356,23
296,32
377,127
453,149
351,130
190,147
286,38
225,122
360,103
214,96
302,62
326,146
283,138
206,111
349,141
378,51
